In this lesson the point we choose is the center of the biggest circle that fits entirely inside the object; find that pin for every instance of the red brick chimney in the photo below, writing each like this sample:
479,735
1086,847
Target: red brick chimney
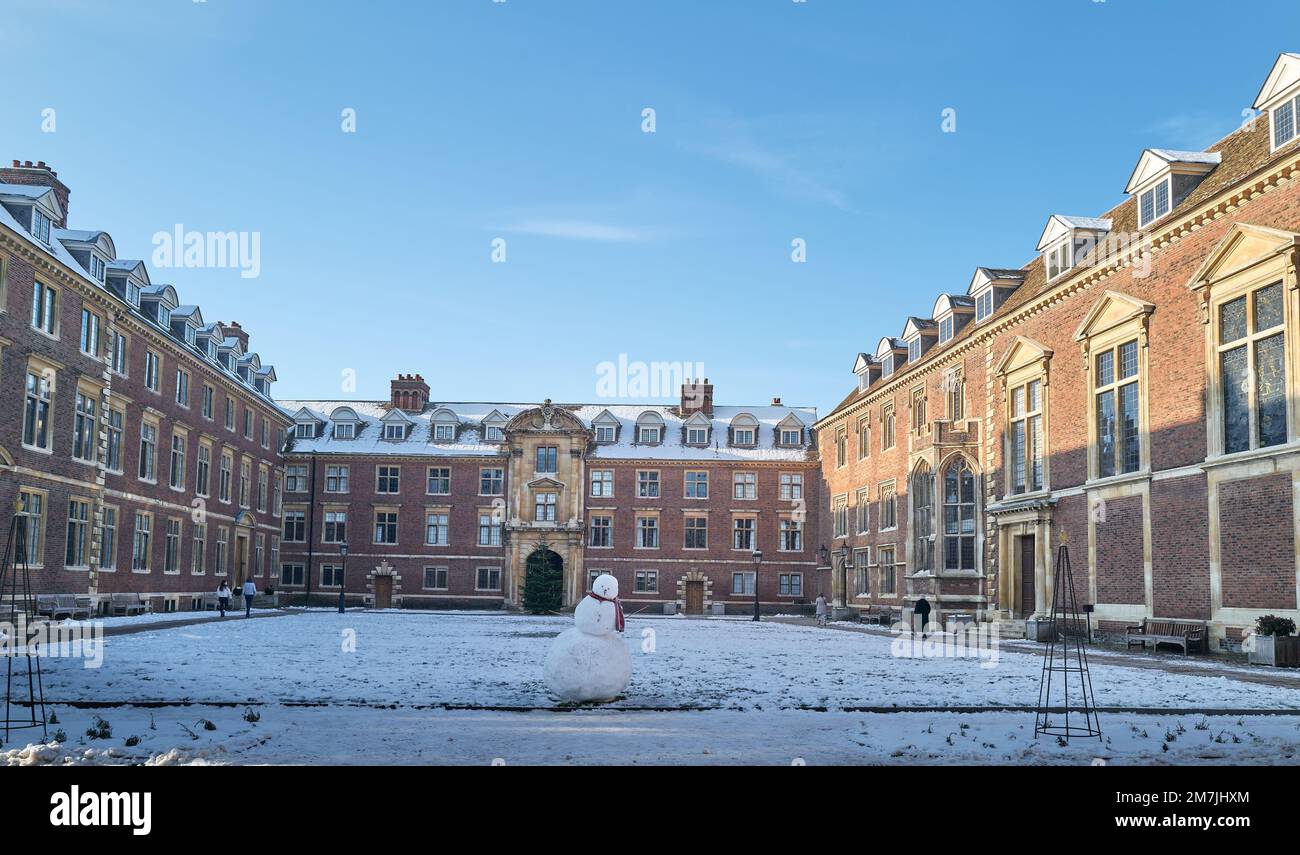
410,393
38,174
234,330
697,397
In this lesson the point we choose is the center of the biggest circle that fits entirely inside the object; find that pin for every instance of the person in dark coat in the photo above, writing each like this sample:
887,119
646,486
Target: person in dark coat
922,610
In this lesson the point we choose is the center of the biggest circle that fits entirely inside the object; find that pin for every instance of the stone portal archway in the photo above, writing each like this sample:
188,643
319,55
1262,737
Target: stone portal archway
543,580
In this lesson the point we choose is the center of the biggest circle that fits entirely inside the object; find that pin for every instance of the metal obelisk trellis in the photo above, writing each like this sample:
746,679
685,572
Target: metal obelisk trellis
16,592
1065,662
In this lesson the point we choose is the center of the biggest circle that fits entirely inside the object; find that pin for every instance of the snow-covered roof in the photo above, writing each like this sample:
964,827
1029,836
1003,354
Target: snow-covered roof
472,416
1157,162
1059,225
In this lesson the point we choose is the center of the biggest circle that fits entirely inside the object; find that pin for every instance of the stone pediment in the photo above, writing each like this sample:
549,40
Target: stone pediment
547,419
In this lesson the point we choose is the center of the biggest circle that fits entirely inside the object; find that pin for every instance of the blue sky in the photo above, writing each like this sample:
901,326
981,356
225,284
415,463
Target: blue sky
522,120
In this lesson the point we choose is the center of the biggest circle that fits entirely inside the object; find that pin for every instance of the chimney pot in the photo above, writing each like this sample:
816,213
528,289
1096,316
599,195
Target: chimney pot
16,163
776,402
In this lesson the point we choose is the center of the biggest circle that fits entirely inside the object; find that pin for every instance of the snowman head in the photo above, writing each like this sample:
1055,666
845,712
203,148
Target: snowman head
605,586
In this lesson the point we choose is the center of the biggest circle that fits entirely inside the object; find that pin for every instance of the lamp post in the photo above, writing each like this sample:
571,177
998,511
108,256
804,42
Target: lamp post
758,559
343,573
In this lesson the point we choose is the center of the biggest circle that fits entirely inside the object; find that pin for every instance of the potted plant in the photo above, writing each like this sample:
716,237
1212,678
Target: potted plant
1274,642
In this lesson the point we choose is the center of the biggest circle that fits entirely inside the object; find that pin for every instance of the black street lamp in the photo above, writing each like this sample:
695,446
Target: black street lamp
758,559
343,573
823,555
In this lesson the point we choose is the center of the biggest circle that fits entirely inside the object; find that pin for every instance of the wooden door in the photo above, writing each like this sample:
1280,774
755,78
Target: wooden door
695,598
1027,590
241,562
383,592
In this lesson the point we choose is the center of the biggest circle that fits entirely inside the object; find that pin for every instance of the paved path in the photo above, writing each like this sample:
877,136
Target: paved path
1216,665
130,628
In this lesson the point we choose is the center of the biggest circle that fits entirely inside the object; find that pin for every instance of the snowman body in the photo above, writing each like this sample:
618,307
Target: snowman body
589,661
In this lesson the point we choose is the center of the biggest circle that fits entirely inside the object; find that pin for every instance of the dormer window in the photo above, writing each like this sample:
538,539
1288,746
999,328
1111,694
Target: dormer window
495,434
945,330
984,305
1280,97
791,437
97,268
697,436
1153,204
604,433
345,430
744,430
40,225
394,431
1163,178
164,316
887,365
649,428
914,350
1059,259
304,430
1284,121
191,335
442,433
133,293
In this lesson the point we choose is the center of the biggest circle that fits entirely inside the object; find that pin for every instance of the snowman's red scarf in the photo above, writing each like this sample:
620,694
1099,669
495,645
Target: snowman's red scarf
618,608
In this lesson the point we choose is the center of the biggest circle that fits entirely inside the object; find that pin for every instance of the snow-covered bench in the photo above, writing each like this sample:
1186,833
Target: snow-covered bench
127,604
58,606
1187,634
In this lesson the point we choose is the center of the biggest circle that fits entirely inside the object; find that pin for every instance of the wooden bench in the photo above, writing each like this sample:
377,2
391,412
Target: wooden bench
1184,633
208,602
127,604
59,606
883,615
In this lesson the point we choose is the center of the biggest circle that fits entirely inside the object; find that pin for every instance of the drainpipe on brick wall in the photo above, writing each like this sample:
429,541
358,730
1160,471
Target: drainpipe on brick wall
311,532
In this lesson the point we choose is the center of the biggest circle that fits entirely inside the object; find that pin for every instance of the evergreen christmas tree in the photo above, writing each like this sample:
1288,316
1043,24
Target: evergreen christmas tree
543,582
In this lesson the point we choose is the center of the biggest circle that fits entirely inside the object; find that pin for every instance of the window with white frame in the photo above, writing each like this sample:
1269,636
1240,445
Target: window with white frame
395,431
602,527
1252,351
1117,409
742,533
436,530
140,543
697,533
336,479
605,433
646,582
491,481
602,482
697,436
344,430
544,504
438,481
152,371
959,523
1153,203
489,529
744,485
444,432
78,542
386,526
336,527
488,579
647,532
1025,437
790,585
647,484
85,429
697,484
295,526
791,486
1286,121
388,479
984,305
791,534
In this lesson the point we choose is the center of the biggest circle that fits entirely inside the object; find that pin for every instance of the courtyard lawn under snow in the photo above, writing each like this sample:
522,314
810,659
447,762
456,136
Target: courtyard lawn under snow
411,687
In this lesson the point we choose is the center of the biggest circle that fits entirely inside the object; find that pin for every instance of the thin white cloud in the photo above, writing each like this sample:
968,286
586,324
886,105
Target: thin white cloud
584,230
779,173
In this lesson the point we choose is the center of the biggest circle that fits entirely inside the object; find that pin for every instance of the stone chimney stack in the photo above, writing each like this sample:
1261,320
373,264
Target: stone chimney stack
697,396
410,393
26,172
234,330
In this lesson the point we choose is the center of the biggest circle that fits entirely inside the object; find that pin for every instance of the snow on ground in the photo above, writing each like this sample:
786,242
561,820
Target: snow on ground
409,687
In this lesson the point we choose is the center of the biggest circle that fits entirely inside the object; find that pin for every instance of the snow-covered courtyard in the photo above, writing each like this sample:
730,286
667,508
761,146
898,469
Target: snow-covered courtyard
413,687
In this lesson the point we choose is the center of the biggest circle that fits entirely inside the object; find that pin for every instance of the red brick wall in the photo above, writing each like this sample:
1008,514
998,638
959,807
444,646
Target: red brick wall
1258,542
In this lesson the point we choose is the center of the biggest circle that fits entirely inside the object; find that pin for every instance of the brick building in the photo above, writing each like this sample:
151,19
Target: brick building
447,504
138,442
1133,387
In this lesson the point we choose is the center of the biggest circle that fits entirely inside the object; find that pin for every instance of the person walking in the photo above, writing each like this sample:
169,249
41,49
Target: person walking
821,609
922,610
223,597
250,591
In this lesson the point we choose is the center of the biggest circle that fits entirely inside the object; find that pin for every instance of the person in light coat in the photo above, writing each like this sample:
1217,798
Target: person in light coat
821,609
250,591
223,597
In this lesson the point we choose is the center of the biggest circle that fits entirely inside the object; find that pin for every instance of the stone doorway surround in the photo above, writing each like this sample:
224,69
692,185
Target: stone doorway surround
387,570
694,575
1023,518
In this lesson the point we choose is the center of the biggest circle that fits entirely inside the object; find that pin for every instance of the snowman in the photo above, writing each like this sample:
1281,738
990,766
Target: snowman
589,660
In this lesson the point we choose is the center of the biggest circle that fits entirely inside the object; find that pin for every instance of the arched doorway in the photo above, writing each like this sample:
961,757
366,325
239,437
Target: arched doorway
543,581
